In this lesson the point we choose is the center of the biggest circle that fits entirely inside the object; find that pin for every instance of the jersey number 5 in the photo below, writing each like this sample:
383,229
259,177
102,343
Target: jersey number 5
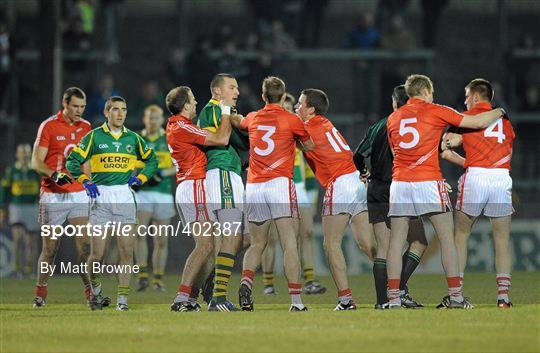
404,130
270,130
498,133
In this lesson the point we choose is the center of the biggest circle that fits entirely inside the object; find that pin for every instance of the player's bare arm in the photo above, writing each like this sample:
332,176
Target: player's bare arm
482,120
38,161
451,140
453,157
222,134
236,119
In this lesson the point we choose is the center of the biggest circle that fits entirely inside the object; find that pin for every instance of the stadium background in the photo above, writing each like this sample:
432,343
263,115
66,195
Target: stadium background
142,48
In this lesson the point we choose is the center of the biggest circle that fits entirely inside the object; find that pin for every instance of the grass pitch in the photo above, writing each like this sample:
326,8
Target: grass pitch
67,325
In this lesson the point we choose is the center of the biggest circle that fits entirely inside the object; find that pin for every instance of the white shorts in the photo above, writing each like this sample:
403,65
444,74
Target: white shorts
116,203
346,194
271,199
302,196
25,214
416,198
57,208
225,195
191,202
485,189
159,204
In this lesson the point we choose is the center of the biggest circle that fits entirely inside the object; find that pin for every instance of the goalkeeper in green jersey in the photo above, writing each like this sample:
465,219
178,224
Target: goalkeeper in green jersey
225,189
155,202
113,151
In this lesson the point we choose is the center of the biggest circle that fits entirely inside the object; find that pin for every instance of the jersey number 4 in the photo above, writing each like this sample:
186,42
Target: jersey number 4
495,130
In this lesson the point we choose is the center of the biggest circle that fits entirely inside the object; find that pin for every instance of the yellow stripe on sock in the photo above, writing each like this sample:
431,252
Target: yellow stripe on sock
224,261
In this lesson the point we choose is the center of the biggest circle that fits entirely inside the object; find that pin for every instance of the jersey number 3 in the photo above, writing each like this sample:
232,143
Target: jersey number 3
406,130
495,130
270,130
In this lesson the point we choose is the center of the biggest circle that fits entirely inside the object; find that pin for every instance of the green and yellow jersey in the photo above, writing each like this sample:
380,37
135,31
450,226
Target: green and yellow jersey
158,143
20,185
221,157
112,156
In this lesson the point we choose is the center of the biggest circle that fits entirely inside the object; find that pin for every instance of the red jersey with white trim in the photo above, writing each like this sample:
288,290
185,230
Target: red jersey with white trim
60,136
414,133
273,132
490,147
186,141
332,157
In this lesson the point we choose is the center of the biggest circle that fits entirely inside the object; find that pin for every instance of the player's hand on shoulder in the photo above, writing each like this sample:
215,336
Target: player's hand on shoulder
60,178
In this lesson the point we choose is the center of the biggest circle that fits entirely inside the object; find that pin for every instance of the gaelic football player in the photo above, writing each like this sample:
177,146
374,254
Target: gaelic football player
186,142
113,151
154,201
486,186
305,228
270,190
224,187
61,198
375,147
418,187
21,191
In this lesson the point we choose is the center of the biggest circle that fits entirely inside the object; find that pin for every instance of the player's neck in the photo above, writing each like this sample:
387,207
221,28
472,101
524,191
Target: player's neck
66,119
114,129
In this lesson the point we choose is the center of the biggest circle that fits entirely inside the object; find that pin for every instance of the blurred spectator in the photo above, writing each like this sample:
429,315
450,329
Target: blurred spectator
104,88
175,72
365,35
223,35
260,69
230,63
250,99
75,38
397,36
5,63
86,12
200,68
252,41
279,41
431,12
387,9
532,98
149,93
311,22
265,14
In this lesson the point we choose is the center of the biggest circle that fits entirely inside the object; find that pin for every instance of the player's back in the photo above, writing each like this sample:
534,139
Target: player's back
332,157
185,141
272,135
490,147
414,133
60,137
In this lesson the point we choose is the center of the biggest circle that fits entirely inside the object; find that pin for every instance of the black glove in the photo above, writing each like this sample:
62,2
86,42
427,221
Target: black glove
61,178
155,179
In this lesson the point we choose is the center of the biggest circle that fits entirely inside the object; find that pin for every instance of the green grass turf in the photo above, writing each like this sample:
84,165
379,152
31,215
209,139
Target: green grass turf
66,325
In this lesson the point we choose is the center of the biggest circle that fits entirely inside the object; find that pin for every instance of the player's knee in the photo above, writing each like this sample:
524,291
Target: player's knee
331,245
205,248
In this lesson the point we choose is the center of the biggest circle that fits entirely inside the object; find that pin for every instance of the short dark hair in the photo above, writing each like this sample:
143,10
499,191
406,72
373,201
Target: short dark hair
113,99
317,99
177,98
399,95
273,89
218,80
482,87
73,92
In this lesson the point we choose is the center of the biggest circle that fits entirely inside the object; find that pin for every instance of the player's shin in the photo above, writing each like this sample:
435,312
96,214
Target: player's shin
398,238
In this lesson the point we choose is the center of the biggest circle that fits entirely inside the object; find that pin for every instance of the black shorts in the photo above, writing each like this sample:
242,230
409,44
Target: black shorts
378,197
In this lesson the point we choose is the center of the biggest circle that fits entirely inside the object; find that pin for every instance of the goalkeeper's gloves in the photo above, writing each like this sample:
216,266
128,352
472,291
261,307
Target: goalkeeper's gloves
134,183
91,188
61,178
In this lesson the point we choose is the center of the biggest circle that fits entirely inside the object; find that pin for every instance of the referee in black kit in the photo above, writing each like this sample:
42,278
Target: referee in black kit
375,150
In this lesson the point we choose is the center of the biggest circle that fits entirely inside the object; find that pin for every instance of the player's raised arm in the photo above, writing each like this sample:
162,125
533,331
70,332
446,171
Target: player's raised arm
453,157
223,132
482,120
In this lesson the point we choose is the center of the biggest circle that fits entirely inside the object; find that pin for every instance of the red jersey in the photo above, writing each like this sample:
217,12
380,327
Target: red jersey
414,133
490,147
332,157
185,141
273,132
60,136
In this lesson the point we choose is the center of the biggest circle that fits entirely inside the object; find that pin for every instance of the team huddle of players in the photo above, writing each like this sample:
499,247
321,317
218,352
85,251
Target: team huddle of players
90,175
